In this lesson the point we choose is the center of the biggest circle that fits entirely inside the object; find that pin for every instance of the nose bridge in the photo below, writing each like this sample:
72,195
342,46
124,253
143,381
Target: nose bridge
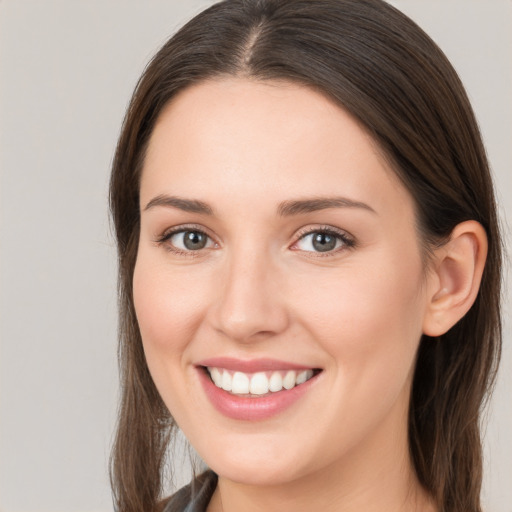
249,305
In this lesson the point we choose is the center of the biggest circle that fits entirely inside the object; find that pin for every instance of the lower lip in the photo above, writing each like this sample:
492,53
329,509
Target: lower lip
252,409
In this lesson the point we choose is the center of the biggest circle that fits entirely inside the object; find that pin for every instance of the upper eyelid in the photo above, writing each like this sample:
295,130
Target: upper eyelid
184,227
299,233
321,228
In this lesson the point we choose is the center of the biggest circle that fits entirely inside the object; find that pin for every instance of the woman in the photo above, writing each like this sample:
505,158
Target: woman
309,265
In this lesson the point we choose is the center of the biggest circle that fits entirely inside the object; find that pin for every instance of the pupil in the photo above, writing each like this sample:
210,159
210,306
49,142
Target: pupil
323,242
194,240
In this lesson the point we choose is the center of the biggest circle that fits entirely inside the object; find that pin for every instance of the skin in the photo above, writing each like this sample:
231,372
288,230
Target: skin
260,290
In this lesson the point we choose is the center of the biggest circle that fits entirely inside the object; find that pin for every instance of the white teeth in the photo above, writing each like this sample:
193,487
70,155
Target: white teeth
216,376
226,381
289,380
260,383
304,376
240,385
276,382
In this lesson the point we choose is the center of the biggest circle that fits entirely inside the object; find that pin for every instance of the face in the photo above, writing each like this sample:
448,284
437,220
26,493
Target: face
278,259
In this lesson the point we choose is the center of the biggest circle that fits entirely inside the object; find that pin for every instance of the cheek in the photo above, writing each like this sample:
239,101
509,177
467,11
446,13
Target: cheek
168,306
367,317
369,323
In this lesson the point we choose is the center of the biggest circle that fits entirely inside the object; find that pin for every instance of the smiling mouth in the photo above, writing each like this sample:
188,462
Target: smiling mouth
254,385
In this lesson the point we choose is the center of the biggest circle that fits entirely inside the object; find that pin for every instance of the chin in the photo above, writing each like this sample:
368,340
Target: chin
259,467
260,475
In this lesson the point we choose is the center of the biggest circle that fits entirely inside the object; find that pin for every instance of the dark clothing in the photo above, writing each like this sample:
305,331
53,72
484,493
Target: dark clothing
195,496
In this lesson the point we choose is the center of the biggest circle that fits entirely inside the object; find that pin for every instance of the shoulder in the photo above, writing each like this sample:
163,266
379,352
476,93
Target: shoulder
195,496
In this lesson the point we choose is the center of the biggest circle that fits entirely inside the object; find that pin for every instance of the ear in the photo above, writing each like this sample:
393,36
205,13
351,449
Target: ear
454,280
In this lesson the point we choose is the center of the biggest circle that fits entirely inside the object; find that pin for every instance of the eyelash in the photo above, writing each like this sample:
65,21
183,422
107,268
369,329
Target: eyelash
347,241
167,235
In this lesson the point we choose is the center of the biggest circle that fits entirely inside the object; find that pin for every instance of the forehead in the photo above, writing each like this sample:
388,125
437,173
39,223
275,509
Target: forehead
244,138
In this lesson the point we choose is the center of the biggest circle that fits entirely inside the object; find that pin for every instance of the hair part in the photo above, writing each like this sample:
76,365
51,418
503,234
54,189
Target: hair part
390,76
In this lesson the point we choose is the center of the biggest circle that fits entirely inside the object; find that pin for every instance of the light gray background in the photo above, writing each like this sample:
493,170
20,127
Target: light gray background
67,69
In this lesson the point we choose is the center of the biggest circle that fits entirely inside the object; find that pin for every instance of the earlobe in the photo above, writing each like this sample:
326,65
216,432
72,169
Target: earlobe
455,278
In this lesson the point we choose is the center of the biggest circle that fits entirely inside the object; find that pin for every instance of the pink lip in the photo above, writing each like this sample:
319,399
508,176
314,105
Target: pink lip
251,366
251,409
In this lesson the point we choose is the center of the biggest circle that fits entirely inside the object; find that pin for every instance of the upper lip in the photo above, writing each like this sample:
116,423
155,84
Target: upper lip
252,365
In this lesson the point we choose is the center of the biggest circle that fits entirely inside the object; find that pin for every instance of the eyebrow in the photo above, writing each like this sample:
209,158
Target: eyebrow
285,209
187,205
297,207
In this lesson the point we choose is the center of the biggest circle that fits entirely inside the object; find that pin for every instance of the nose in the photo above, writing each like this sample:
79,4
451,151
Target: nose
250,304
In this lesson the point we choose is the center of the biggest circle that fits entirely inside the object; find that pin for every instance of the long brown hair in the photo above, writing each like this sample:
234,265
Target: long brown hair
383,69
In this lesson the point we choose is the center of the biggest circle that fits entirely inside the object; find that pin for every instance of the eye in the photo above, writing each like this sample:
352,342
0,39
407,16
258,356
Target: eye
323,241
182,240
189,240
